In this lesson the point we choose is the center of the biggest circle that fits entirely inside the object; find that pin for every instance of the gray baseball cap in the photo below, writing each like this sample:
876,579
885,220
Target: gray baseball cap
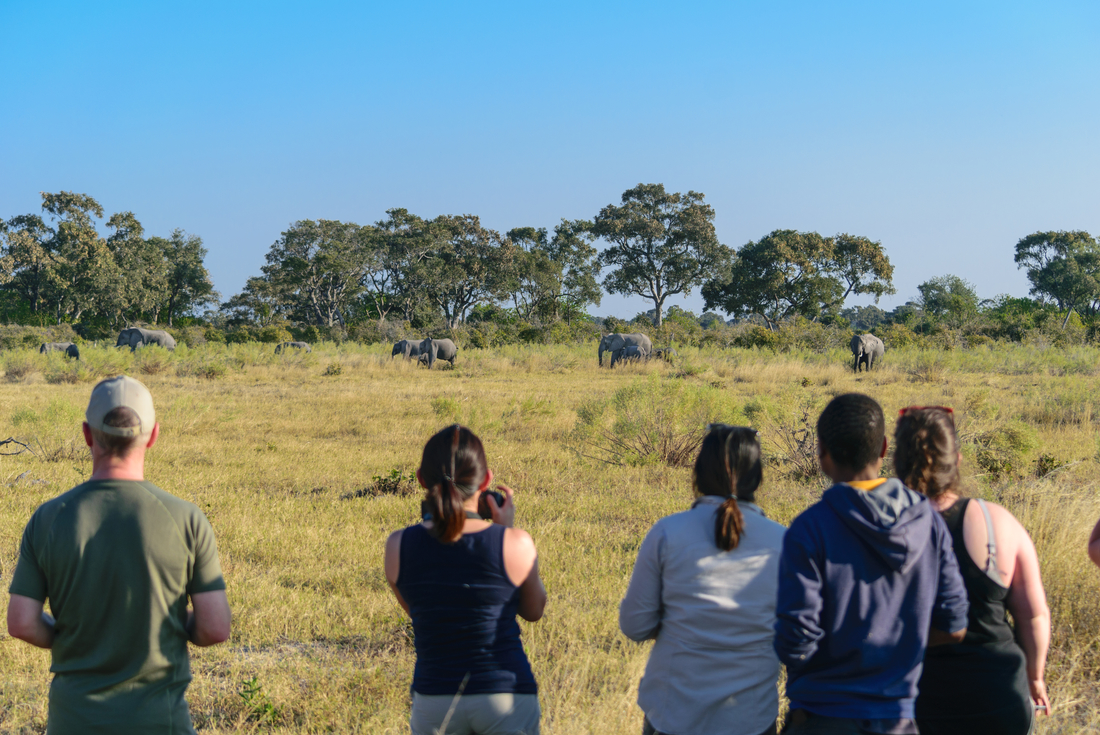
121,392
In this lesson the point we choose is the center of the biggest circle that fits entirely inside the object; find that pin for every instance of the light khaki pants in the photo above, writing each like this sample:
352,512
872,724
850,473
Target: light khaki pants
475,714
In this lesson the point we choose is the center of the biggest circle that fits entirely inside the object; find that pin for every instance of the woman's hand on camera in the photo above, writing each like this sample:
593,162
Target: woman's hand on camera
504,515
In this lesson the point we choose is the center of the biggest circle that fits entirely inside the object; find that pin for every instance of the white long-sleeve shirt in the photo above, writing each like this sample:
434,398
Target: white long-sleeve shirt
712,668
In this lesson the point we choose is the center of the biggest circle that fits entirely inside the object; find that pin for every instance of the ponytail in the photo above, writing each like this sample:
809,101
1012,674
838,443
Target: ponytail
926,451
729,524
729,466
452,469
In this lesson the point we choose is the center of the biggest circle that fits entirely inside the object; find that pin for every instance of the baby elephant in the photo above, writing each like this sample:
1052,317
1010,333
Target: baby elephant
70,349
286,346
633,353
666,354
866,348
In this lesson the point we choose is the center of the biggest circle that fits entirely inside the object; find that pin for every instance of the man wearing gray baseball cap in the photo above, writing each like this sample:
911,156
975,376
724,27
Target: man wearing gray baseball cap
118,559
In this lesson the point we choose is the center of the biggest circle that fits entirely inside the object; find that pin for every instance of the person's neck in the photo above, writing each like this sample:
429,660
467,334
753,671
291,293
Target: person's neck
870,472
118,468
945,500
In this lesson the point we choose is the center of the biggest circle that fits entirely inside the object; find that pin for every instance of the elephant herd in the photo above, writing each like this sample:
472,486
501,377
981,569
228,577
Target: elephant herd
632,348
133,338
426,351
866,348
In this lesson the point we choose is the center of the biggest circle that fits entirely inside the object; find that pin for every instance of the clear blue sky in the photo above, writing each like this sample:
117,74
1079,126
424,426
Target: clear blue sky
946,130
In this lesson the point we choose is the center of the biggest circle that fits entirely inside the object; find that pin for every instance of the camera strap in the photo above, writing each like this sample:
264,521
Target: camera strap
473,515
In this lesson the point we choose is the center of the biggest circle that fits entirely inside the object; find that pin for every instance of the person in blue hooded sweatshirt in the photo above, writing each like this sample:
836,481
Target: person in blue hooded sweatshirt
867,581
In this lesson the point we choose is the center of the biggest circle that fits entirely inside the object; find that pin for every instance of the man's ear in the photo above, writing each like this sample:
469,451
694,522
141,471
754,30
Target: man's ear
153,435
87,433
882,454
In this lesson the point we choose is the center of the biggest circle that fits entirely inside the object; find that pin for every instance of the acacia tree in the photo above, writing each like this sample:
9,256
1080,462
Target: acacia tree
949,299
468,266
572,249
662,244
142,271
188,282
402,245
789,273
1063,267
534,278
317,268
553,277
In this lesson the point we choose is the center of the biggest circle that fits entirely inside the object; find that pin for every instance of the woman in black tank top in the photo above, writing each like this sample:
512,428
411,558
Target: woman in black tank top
463,579
980,685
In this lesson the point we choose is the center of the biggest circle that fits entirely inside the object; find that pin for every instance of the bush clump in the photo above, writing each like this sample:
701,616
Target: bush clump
649,421
1002,451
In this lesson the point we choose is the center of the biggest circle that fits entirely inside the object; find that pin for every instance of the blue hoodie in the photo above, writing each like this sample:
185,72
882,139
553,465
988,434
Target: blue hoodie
863,576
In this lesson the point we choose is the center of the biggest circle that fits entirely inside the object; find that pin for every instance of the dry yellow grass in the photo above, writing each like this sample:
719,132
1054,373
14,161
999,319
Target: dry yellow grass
269,448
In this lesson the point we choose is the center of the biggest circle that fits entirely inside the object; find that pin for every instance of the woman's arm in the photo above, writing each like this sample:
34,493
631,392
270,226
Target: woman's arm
521,563
393,566
640,610
1028,604
1094,545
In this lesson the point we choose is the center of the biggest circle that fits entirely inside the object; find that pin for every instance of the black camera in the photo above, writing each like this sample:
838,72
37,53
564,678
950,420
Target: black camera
483,508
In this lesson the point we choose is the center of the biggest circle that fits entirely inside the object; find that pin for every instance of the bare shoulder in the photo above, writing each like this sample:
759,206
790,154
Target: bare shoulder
392,559
519,539
393,541
1002,518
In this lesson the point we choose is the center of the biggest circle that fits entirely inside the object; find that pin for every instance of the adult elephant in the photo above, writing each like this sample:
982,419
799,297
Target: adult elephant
286,346
70,349
633,353
410,348
615,342
137,337
866,348
438,349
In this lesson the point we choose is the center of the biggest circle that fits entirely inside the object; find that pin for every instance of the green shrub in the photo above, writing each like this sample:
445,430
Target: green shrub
215,335
1002,451
308,333
754,335
649,421
895,336
273,335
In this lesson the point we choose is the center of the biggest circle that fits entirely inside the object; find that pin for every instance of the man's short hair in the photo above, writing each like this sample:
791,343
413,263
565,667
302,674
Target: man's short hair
851,429
119,418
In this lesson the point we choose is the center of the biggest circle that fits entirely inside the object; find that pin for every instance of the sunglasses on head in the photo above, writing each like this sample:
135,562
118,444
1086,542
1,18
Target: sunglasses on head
946,409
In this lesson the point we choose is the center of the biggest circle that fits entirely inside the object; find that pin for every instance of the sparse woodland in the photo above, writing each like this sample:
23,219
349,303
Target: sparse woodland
303,461
449,275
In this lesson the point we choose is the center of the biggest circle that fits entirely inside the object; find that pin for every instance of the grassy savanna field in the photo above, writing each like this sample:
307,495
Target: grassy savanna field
283,455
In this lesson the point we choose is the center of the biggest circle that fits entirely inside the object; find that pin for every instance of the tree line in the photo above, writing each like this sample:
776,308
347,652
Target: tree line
439,274
56,267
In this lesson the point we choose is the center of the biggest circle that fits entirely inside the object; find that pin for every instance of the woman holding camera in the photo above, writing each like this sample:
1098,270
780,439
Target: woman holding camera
992,682
463,576
704,586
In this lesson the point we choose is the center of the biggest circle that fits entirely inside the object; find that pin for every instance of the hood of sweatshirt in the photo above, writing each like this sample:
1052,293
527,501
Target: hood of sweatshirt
893,520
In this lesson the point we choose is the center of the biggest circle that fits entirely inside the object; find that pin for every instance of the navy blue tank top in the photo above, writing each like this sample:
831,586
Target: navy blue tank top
464,614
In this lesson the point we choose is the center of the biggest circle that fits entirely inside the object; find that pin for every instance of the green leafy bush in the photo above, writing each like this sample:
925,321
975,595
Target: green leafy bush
1002,451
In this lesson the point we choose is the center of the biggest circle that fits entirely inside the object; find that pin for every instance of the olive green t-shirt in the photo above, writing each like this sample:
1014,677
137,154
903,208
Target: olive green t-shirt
117,560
